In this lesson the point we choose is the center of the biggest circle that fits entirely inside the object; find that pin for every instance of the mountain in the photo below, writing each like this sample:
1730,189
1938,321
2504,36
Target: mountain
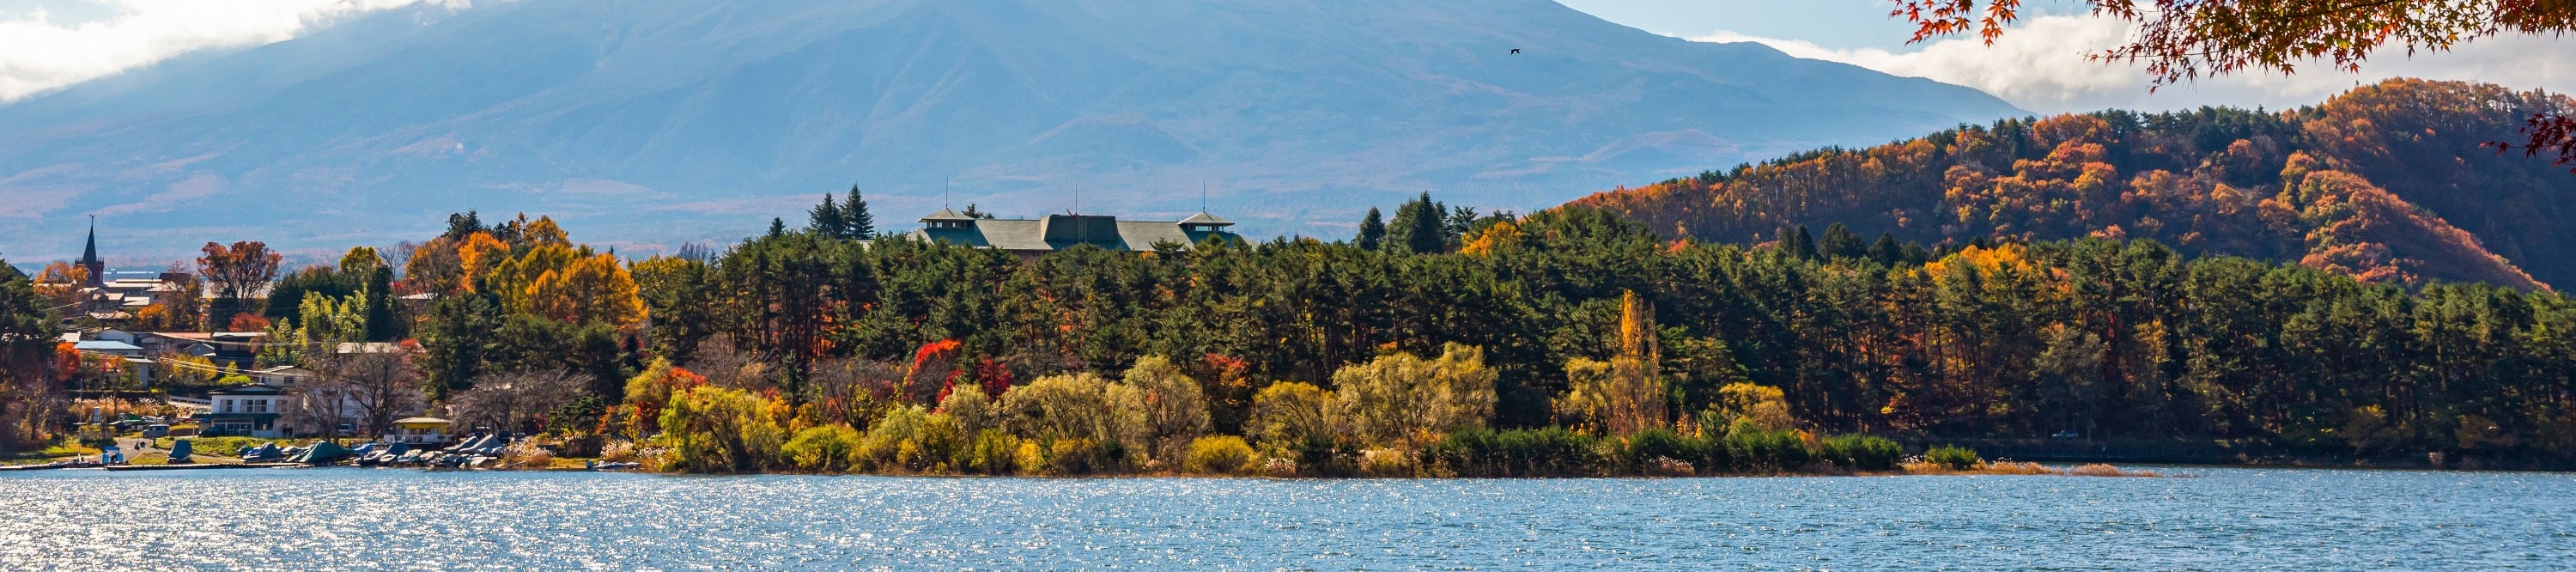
651,122
2387,182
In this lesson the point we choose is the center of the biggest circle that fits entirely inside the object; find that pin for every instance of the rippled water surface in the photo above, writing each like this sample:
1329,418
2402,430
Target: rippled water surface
2219,519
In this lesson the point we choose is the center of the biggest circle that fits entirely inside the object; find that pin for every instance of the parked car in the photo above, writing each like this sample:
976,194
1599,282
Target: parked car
156,430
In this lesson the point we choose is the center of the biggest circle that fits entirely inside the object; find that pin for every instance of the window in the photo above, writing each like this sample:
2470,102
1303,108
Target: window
228,406
255,405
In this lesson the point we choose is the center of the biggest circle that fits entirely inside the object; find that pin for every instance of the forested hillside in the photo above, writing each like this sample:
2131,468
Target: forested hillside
2123,340
2387,183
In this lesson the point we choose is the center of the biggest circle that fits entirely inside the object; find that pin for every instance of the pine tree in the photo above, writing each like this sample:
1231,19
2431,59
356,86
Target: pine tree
460,226
1802,245
1372,230
1839,242
827,220
381,324
856,223
777,228
1419,226
1454,226
1885,250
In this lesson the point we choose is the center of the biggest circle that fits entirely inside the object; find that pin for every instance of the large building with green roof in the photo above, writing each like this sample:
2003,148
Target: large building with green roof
1032,237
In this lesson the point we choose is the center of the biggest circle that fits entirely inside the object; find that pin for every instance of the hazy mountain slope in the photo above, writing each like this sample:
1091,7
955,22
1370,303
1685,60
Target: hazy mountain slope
655,121
2386,182
665,119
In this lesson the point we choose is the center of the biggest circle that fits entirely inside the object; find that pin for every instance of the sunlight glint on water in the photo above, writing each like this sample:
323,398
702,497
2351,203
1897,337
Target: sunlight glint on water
2221,519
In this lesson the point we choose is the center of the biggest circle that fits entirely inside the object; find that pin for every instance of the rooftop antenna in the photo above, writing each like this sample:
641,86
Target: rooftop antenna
1203,204
943,191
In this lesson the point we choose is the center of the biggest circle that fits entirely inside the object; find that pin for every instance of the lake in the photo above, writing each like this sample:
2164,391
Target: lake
2218,519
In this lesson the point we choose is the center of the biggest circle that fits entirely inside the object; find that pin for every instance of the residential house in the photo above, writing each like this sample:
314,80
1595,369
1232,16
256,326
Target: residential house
270,411
279,376
244,411
146,353
235,349
109,347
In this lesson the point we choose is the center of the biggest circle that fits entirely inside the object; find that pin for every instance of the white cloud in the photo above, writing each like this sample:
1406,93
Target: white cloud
39,53
2042,66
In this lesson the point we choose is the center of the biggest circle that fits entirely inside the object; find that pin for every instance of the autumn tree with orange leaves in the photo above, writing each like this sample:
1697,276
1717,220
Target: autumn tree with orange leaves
237,273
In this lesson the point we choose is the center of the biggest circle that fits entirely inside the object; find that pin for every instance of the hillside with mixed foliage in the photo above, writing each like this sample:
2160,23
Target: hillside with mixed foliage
2387,183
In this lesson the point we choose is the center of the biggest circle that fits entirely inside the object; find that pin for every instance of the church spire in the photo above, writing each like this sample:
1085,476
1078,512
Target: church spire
89,255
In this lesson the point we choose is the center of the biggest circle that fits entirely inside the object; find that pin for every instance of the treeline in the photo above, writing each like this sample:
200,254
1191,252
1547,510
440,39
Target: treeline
1468,343
1592,323
2391,183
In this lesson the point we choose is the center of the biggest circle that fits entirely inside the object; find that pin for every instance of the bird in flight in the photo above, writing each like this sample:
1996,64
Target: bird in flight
1516,51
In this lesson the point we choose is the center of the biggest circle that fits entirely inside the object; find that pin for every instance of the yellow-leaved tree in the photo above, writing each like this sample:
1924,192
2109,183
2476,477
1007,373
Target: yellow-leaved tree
1175,408
1624,395
593,290
1401,399
1285,414
712,429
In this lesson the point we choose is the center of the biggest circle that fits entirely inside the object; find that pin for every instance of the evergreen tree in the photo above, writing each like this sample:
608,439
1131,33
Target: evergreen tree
1372,230
1454,227
1796,243
459,334
1419,226
827,220
856,222
777,227
463,225
1839,242
1885,250
382,326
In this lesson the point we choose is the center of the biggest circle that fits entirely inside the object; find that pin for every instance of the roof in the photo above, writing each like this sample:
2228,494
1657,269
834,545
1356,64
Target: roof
252,389
1058,232
1207,219
207,290
946,214
106,346
368,348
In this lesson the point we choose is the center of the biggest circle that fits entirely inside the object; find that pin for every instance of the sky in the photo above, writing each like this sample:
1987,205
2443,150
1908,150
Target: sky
2040,66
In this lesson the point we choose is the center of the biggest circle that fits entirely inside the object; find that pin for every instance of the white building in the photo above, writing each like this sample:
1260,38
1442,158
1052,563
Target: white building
244,411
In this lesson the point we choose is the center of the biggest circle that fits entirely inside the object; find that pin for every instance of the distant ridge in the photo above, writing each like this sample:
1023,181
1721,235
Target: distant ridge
2385,182
650,122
